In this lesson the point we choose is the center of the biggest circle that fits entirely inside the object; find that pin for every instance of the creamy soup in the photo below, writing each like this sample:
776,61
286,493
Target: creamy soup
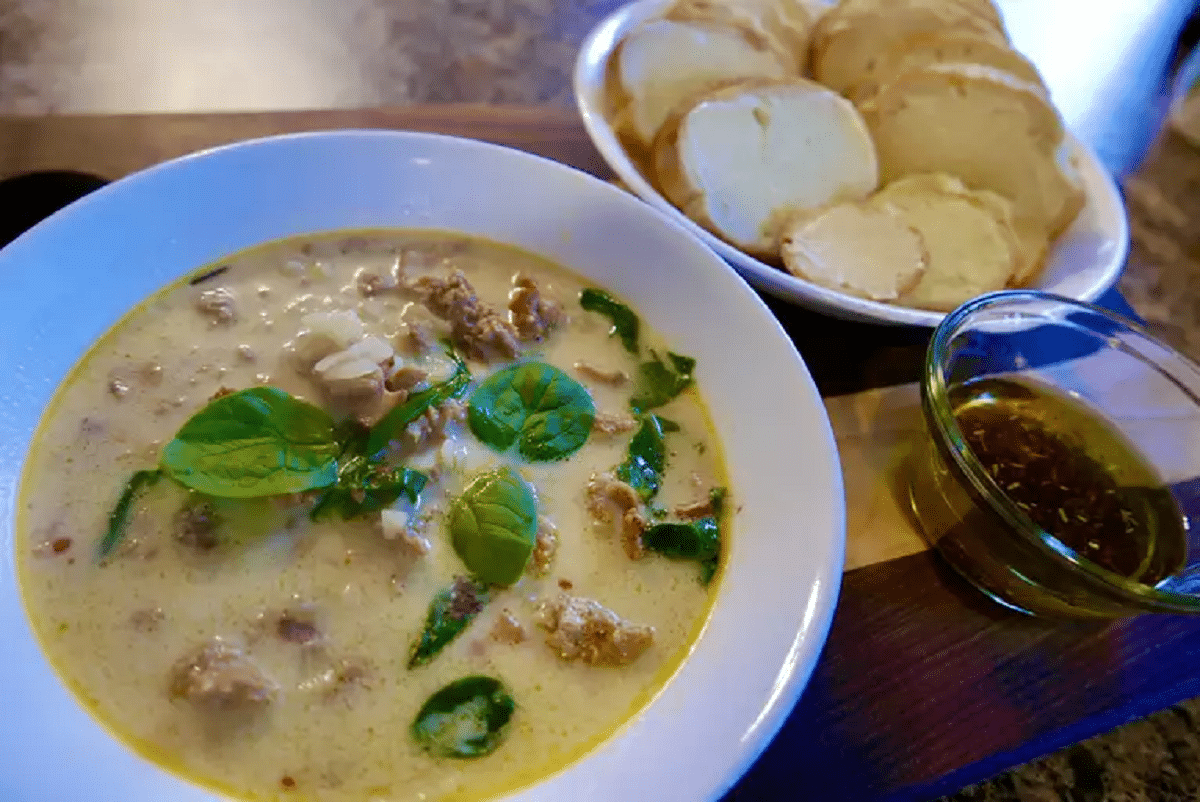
285,502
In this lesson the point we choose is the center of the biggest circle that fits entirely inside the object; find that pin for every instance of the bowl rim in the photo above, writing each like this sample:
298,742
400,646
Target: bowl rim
1101,195
942,424
816,604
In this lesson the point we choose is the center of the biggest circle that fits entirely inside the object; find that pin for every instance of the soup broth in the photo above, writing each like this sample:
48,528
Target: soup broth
252,646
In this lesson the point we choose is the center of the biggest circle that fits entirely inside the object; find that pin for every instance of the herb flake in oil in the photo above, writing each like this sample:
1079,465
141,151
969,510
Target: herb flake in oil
1074,475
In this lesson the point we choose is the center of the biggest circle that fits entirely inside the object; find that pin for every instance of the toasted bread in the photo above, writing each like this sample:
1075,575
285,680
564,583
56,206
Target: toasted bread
855,248
989,129
743,158
664,61
941,47
968,235
782,24
851,36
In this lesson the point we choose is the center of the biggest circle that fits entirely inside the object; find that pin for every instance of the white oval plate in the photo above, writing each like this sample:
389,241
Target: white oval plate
66,281
1084,262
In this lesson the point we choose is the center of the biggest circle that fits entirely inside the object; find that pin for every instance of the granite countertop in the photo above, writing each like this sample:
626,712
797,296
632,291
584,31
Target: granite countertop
110,56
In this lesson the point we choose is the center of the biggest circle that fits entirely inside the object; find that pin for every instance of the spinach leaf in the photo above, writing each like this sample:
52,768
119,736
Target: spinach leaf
465,719
392,425
493,526
657,382
365,486
537,406
119,517
452,609
643,468
255,442
699,540
716,499
624,321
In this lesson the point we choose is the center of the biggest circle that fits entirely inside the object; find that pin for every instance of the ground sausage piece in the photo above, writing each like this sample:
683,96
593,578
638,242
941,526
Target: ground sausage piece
298,626
416,339
218,305
585,630
464,599
696,509
613,423
475,327
531,314
545,548
371,283
406,378
147,620
605,493
633,526
614,377
220,674
430,429
508,629
196,526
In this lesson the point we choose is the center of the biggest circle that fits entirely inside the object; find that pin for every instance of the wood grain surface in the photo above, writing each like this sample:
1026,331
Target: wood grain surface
923,686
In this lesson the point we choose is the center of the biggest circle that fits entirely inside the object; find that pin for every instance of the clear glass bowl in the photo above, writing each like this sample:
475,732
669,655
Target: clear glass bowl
1145,390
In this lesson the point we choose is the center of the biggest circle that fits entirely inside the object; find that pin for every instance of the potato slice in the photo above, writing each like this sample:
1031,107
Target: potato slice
989,129
849,38
971,244
663,62
855,248
744,158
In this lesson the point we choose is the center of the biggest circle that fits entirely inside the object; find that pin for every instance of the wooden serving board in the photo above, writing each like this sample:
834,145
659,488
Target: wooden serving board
923,686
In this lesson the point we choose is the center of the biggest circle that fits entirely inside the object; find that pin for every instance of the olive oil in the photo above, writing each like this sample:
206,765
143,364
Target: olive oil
1073,475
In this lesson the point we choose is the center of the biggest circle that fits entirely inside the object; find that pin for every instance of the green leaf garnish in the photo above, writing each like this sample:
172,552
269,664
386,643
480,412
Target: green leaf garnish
643,468
716,499
118,519
657,382
624,321
698,540
537,406
255,442
452,609
465,719
392,425
365,486
493,526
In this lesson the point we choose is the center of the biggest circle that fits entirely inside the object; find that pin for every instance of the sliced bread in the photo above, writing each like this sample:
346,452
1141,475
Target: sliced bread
941,47
991,130
664,61
968,235
784,25
851,36
742,159
855,248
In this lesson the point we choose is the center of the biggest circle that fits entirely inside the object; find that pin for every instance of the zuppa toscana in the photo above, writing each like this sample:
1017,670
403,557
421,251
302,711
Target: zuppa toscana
372,515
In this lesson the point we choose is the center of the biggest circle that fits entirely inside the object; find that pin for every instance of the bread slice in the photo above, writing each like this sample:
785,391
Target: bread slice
742,159
852,35
663,61
986,127
784,25
942,47
968,235
855,248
